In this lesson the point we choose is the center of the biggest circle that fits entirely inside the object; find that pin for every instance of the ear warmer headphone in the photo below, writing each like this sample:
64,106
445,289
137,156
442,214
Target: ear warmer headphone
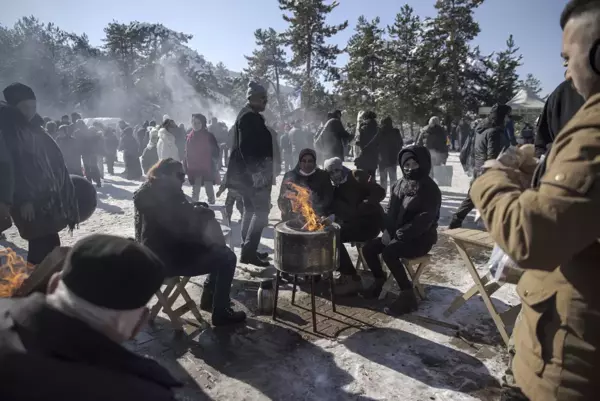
594,57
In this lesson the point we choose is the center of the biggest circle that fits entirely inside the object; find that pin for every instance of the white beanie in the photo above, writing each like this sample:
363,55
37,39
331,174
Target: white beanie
332,163
166,117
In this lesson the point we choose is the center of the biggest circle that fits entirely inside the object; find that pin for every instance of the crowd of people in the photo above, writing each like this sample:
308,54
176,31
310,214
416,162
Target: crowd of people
552,195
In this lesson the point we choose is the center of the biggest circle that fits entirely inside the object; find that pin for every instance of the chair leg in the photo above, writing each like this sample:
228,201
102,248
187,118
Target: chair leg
158,306
312,303
175,320
332,289
277,278
294,288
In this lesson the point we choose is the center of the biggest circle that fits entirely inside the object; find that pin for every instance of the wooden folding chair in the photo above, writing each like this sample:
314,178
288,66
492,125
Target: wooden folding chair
360,261
175,287
415,268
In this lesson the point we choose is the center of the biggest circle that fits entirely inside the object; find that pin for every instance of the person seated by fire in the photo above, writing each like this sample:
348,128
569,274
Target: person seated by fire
67,340
411,222
356,207
186,237
41,196
305,177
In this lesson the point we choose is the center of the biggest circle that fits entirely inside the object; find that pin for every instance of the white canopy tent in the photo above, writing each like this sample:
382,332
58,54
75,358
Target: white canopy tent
525,103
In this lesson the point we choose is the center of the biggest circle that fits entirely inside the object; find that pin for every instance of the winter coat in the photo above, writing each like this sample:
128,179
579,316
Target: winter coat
251,151
510,132
414,209
368,145
176,230
219,131
349,204
149,157
202,156
320,188
490,141
276,154
7,182
560,107
167,145
390,144
330,141
552,233
464,131
92,148
71,149
47,354
111,145
40,177
434,138
299,139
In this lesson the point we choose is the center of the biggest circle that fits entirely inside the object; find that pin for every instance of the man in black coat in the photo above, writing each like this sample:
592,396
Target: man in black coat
368,144
560,107
333,137
434,138
410,226
250,171
390,144
490,141
67,345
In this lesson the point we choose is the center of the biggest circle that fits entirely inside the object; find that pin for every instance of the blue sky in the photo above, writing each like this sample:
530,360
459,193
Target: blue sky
223,29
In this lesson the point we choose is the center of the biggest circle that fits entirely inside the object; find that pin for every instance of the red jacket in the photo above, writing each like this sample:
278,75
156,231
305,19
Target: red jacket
202,155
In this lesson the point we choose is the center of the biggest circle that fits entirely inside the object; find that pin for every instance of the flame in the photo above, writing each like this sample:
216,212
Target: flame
13,271
301,203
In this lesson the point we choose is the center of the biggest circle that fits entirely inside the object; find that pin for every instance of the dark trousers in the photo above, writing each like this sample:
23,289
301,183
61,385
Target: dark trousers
234,198
392,255
40,247
255,218
353,233
384,173
218,261
110,164
465,207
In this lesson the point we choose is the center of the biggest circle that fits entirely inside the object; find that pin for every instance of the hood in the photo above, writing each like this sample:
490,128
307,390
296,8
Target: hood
422,156
165,135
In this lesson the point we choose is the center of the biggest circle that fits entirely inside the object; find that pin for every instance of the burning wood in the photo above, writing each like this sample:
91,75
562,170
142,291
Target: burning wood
13,272
302,204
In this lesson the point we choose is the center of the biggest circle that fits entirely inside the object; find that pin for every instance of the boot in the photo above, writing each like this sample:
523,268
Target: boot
262,255
254,260
348,285
455,223
374,289
206,300
406,303
228,317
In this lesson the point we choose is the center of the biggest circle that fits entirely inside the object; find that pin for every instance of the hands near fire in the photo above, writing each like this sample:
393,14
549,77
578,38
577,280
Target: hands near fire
521,161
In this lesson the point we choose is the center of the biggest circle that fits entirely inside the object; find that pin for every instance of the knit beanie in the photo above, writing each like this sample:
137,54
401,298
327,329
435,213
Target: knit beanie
406,156
113,272
255,88
17,92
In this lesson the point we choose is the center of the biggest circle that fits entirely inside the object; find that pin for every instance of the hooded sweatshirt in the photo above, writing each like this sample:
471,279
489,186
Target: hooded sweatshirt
167,145
414,209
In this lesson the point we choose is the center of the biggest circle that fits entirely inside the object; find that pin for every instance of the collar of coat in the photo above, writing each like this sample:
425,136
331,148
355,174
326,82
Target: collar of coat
45,330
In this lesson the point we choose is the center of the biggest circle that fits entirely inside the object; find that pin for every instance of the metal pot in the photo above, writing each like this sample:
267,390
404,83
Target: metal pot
306,252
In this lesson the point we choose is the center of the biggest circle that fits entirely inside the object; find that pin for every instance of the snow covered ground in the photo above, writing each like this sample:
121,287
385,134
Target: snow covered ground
404,359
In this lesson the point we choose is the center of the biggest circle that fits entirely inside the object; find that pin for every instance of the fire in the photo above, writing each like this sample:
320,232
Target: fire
13,271
301,203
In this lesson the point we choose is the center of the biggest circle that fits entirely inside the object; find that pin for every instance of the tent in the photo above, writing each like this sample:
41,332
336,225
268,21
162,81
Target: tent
525,103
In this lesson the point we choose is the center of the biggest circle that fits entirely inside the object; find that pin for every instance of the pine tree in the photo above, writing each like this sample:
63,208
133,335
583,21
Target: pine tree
268,64
532,83
402,97
363,74
446,56
312,57
503,83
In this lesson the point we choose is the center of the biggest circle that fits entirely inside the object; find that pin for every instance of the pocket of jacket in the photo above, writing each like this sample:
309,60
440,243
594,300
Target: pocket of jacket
530,338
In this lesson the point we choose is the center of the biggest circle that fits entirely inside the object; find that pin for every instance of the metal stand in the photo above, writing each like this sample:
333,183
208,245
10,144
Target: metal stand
312,296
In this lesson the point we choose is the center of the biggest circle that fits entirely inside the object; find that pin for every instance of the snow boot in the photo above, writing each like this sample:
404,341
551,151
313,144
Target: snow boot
404,304
455,223
206,300
228,317
374,290
254,260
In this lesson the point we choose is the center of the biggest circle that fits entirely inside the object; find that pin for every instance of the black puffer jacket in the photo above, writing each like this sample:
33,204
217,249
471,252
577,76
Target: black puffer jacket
490,137
368,143
390,144
414,209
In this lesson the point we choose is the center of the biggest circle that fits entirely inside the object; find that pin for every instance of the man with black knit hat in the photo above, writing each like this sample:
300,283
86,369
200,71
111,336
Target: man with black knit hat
38,188
250,171
67,343
490,141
